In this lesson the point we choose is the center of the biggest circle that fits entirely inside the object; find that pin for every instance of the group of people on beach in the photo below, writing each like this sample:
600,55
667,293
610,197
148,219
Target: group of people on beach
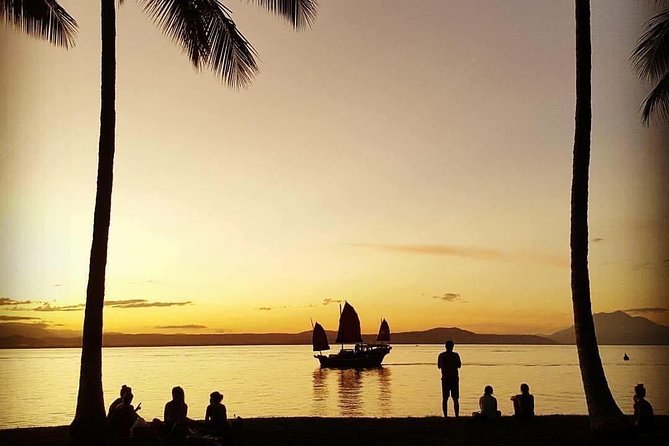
124,421
523,403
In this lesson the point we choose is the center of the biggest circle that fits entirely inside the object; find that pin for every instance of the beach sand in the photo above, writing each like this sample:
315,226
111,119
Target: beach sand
543,430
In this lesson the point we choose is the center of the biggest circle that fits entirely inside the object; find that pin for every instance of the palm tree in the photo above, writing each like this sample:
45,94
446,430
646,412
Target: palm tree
605,416
44,19
651,61
205,31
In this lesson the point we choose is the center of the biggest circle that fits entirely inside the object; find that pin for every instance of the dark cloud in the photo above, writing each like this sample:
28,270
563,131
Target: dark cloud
143,303
467,252
328,301
448,297
8,301
17,318
48,307
272,308
647,310
185,327
120,303
597,240
264,308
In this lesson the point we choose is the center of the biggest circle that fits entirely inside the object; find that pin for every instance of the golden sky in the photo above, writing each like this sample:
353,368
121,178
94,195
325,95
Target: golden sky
414,159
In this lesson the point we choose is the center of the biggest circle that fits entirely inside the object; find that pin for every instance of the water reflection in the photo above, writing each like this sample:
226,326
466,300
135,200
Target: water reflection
357,391
320,391
350,387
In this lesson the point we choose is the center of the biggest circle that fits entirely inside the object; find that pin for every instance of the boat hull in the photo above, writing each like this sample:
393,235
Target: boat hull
369,357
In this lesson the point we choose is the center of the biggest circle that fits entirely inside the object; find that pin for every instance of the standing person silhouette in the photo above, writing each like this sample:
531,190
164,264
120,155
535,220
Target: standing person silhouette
449,363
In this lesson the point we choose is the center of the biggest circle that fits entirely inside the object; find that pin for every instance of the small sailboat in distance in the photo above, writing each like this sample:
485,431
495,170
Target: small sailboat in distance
363,355
625,357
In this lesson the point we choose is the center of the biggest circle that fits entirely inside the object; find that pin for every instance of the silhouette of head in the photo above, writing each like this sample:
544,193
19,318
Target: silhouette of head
215,397
127,397
449,345
178,394
524,388
640,390
488,390
125,389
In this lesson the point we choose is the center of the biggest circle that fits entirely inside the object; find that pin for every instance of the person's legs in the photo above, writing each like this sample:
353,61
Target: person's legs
444,397
455,393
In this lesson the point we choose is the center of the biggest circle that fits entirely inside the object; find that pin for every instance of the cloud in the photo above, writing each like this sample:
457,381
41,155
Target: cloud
328,301
647,310
143,303
466,252
185,327
113,303
448,297
48,307
17,318
8,301
441,250
283,307
597,240
264,308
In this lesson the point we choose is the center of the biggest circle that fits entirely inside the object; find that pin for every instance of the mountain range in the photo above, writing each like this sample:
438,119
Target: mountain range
612,328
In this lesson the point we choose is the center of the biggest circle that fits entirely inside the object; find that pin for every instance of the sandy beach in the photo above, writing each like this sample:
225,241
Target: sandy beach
543,430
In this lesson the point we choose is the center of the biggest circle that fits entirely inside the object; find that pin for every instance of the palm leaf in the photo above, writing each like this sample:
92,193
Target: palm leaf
185,22
650,58
300,13
44,19
657,102
232,57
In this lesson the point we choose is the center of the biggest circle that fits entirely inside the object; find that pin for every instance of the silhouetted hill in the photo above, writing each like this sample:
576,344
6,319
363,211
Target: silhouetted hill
433,336
619,328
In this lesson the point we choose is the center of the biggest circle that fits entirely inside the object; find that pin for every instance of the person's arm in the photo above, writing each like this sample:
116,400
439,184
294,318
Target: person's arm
439,361
459,362
165,413
207,414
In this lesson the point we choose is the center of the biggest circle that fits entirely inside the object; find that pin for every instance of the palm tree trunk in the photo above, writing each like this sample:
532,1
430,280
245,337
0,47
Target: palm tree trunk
90,417
604,413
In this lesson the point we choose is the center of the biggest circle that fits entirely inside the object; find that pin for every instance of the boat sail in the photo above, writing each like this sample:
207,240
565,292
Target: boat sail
363,355
319,339
349,326
384,332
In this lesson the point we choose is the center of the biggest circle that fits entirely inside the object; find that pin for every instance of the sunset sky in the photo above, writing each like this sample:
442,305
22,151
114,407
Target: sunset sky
412,158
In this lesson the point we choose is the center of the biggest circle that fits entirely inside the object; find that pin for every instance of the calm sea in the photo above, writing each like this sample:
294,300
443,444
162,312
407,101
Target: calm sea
39,386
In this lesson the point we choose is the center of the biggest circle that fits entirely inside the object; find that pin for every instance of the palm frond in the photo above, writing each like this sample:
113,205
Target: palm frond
300,13
650,58
44,19
186,23
657,102
232,57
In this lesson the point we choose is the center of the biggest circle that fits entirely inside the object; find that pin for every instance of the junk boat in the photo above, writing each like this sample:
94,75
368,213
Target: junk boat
363,355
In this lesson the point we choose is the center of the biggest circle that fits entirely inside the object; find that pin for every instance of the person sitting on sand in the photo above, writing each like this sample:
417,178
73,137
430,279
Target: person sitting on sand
488,406
643,411
523,403
118,400
123,416
176,411
216,416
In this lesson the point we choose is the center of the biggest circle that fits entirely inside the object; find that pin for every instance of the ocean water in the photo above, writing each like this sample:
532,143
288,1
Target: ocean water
39,386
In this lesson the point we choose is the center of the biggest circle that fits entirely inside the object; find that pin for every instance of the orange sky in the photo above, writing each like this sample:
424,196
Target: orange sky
413,160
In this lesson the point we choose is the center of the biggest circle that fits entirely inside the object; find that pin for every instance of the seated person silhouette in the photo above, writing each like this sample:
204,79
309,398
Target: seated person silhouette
487,406
523,403
176,411
216,416
643,411
123,416
118,400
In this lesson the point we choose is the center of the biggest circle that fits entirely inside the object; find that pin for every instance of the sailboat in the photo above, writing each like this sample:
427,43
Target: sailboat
363,355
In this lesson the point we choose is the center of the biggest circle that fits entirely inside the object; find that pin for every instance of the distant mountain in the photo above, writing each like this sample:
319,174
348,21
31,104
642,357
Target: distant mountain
619,328
433,336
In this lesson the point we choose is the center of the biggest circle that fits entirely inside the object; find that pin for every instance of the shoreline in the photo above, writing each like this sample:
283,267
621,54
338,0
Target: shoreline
542,430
